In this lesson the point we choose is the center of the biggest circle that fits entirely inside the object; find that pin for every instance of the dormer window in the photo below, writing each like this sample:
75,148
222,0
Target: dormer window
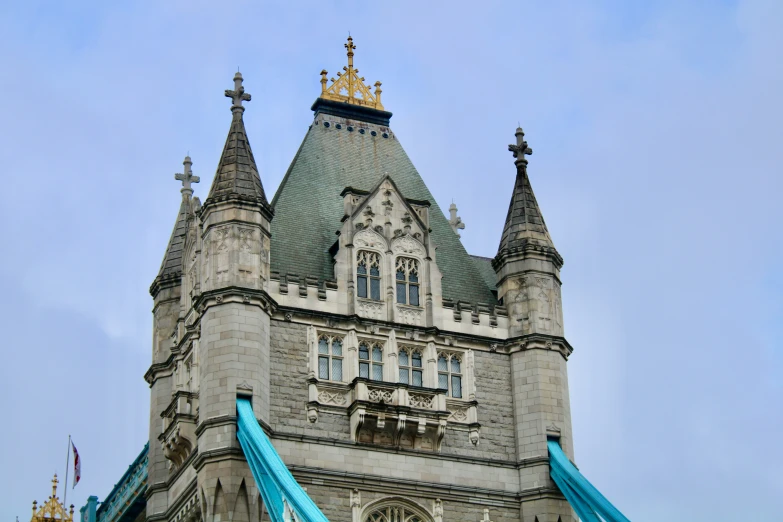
368,275
407,279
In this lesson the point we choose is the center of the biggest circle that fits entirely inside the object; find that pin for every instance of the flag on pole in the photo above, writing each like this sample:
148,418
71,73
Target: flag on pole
77,466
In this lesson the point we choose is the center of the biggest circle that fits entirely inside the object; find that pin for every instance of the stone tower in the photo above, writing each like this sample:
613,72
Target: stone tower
528,280
399,378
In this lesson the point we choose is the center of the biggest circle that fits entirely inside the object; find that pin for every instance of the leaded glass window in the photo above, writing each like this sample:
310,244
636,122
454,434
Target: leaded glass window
411,370
368,275
450,374
330,358
407,281
371,361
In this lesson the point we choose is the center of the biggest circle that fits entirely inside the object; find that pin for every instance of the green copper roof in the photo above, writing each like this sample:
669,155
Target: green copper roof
308,206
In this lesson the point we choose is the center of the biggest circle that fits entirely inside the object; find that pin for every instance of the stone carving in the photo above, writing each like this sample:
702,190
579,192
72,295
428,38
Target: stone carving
312,415
420,401
474,436
221,239
378,395
245,237
335,398
371,310
408,315
368,237
459,415
408,245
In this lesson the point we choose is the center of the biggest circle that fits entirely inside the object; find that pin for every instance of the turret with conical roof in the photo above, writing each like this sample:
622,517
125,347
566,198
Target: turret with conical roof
527,263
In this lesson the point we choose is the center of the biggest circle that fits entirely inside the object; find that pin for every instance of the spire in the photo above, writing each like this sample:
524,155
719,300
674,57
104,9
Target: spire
237,174
171,267
525,227
350,87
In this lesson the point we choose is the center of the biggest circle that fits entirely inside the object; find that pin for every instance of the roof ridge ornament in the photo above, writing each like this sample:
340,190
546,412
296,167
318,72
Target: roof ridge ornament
521,149
349,87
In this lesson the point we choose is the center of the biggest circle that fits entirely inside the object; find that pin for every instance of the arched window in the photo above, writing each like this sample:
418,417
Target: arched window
395,510
450,374
371,361
368,275
407,281
330,358
411,370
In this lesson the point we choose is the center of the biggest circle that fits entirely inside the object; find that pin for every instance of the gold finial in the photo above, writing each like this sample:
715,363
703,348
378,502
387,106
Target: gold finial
51,510
54,485
349,87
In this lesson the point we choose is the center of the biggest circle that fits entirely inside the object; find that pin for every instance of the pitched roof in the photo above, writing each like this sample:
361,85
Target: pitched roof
308,206
237,173
484,266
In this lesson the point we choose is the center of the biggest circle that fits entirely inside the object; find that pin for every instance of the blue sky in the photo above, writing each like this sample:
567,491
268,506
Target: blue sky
656,130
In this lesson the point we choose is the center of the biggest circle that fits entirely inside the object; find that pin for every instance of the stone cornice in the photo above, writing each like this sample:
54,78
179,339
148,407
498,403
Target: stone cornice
495,344
530,248
258,204
151,375
221,454
234,294
165,281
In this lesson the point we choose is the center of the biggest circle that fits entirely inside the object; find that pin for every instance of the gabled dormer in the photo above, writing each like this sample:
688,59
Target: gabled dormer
385,258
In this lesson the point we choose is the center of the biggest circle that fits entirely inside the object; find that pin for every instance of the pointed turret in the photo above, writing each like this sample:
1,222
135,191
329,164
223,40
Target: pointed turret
525,226
527,263
237,175
171,267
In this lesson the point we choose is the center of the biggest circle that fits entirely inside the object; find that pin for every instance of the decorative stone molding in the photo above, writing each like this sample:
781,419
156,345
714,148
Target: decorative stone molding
409,315
370,309
409,246
369,238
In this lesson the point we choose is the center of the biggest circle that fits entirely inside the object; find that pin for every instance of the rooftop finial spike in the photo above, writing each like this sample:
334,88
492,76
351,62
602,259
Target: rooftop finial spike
238,94
349,87
521,149
187,178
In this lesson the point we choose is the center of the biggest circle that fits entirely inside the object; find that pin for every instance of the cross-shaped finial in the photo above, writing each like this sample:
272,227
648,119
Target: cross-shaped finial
187,178
350,47
521,149
54,485
238,95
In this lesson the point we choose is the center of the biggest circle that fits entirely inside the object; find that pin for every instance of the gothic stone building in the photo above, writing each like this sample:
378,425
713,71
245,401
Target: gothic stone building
399,378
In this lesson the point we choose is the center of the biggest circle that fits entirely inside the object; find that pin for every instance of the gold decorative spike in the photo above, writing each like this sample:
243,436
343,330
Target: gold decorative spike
51,510
350,87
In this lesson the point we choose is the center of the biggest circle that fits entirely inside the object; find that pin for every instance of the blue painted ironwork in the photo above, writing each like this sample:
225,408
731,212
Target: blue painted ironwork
587,501
282,495
126,499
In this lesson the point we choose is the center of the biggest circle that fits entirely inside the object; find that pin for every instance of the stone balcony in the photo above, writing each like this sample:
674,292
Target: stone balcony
393,414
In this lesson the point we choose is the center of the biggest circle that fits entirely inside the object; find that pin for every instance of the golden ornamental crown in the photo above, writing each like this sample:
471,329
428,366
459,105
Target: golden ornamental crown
349,87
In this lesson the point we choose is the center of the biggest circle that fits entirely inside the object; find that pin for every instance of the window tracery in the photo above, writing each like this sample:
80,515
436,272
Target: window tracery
450,374
371,360
395,512
411,367
330,358
407,278
368,275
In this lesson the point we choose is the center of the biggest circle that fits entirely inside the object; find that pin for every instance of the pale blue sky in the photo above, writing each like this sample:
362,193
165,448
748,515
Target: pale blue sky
656,130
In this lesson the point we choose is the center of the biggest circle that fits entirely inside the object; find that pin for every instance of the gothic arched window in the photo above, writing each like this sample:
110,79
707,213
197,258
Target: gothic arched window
395,510
407,278
411,370
371,361
450,374
368,275
330,358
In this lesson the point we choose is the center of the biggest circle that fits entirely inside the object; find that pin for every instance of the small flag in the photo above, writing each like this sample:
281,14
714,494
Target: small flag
77,466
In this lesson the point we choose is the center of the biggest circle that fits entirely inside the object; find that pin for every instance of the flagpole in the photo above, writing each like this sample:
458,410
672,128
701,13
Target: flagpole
67,463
